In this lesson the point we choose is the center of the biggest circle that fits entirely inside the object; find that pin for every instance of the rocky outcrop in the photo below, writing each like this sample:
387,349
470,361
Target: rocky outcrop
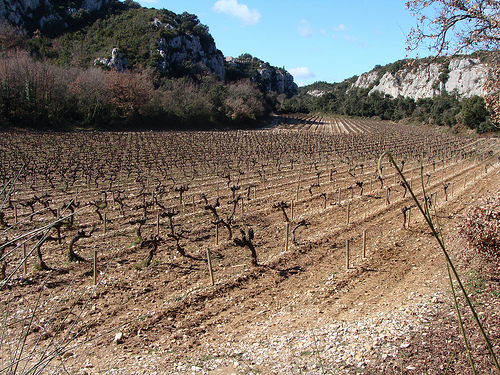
188,50
117,61
41,14
268,77
277,80
465,76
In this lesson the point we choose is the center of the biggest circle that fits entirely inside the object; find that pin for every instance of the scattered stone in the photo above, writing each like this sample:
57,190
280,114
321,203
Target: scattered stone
118,338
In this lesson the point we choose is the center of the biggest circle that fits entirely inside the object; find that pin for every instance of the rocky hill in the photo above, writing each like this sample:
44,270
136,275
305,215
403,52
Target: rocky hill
52,15
463,75
268,77
416,79
123,35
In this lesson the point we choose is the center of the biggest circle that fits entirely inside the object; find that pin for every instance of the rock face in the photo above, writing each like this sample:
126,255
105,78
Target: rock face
188,50
268,77
117,61
466,76
39,14
278,80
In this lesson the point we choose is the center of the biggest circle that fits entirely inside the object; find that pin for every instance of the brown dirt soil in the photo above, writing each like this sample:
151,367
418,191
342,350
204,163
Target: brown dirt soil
167,318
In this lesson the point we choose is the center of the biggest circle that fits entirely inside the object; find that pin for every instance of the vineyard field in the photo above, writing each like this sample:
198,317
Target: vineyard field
148,207
331,125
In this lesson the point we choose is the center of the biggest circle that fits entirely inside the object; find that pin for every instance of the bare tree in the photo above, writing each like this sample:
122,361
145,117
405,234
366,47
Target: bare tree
455,26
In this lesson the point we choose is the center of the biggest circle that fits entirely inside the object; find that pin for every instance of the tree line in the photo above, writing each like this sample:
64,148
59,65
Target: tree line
40,95
444,109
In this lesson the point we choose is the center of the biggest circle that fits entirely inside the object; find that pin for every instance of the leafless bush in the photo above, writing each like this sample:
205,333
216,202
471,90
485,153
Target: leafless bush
481,227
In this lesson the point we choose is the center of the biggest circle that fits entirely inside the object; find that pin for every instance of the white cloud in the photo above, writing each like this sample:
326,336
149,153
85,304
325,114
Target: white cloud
350,38
240,11
340,27
301,73
305,29
354,40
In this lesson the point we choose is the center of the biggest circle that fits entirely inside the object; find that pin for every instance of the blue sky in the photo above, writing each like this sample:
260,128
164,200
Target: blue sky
327,40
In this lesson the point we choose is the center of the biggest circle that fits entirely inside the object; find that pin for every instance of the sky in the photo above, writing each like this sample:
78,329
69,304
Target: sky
315,40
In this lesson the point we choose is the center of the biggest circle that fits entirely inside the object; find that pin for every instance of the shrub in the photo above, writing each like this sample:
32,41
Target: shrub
474,112
244,101
481,226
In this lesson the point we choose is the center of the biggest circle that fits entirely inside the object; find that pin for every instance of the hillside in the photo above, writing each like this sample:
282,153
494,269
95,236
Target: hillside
426,78
417,79
438,91
176,76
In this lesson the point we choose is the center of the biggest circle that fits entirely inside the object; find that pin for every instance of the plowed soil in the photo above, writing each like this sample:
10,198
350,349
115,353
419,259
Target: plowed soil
168,318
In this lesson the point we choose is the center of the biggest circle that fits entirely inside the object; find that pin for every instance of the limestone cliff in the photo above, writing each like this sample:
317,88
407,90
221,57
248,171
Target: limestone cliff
463,75
184,49
277,80
268,77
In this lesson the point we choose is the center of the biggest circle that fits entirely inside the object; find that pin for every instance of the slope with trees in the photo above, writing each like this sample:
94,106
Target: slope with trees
170,75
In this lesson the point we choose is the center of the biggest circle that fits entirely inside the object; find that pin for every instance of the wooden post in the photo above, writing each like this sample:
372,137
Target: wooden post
287,230
25,261
95,267
158,224
348,212
217,234
409,215
210,270
364,243
339,195
104,220
291,208
347,254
